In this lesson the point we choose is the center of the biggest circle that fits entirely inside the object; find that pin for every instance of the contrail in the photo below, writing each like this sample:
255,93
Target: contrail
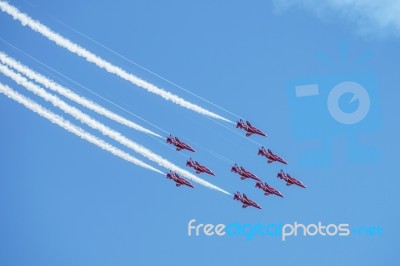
142,67
25,20
47,83
33,106
20,67
5,59
81,85
86,119
131,61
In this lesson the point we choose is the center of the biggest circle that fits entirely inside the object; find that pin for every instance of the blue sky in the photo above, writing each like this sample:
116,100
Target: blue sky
66,202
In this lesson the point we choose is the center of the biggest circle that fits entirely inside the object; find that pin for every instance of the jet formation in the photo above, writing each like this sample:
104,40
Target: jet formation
178,180
249,128
271,157
290,180
179,145
240,170
198,167
245,200
244,174
268,190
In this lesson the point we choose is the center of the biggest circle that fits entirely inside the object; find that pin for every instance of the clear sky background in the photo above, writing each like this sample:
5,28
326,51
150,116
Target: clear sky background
64,201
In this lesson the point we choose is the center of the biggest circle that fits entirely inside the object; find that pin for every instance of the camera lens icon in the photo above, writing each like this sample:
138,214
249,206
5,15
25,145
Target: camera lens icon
359,93
327,107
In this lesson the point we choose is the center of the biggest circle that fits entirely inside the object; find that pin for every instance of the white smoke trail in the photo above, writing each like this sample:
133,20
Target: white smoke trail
5,59
33,106
142,67
25,20
81,85
86,119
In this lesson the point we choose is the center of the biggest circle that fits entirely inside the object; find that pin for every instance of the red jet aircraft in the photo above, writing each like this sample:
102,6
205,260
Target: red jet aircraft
244,173
290,180
270,156
245,200
198,167
268,190
250,130
179,180
179,144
